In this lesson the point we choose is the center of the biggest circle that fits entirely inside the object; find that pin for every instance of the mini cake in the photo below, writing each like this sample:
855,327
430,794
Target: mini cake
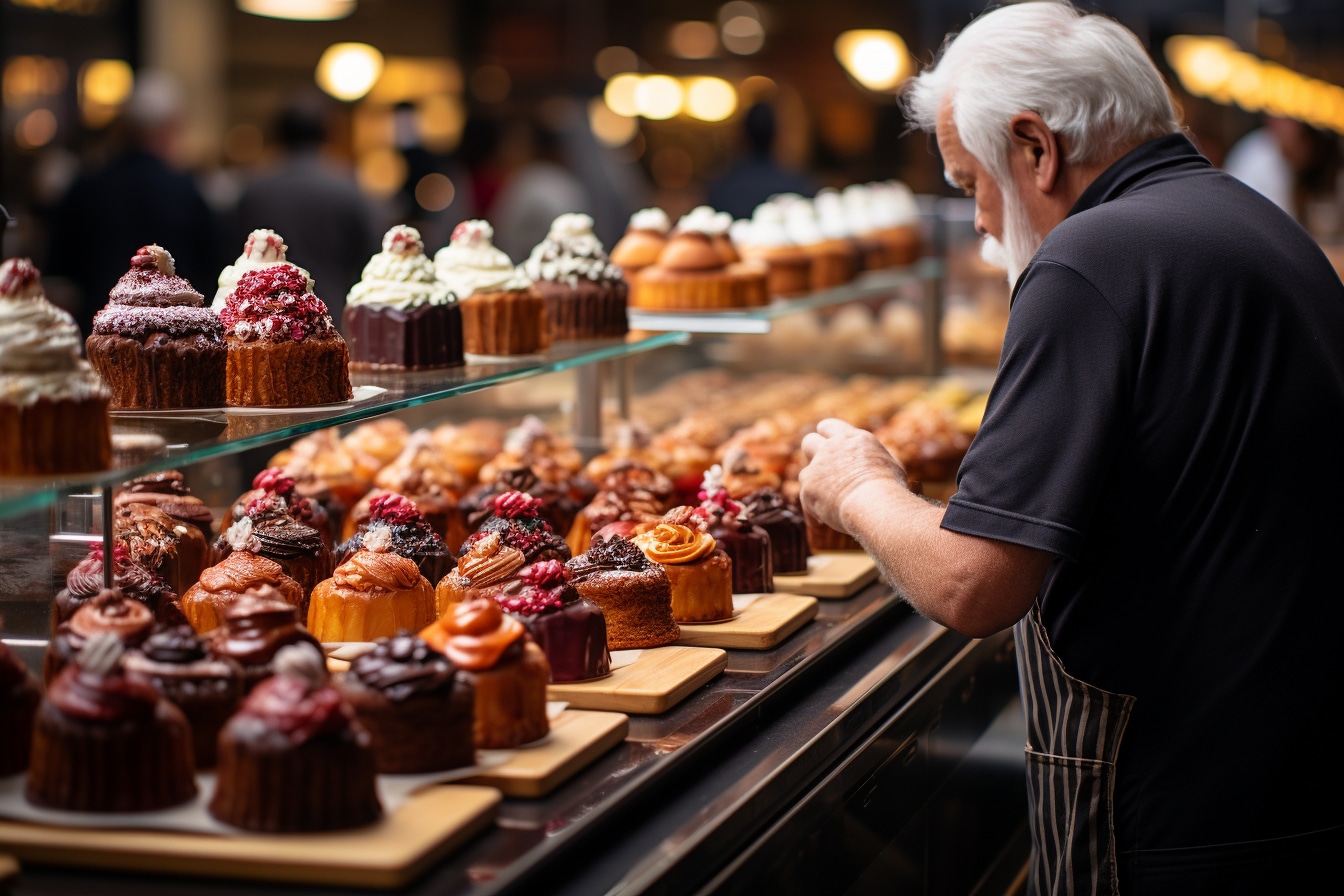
690,275
103,742
630,494
171,549
206,602
398,316
284,350
154,345
783,522
416,708
323,510
747,277
858,211
502,312
293,759
271,527
585,293
469,446
111,612
408,533
53,407
256,626
633,592
700,573
539,463
373,445
374,594
745,543
516,517
505,666
487,565
168,491
895,216
85,582
644,239
422,474
529,443
19,696
569,628
207,689
263,249
925,438
629,442
833,261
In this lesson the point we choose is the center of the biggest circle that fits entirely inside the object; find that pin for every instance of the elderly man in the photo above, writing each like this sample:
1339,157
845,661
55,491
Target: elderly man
1151,498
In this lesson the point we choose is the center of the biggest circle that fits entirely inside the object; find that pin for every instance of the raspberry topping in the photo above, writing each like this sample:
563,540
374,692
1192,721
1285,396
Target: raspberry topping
279,494
275,480
512,505
544,574
16,275
394,509
274,303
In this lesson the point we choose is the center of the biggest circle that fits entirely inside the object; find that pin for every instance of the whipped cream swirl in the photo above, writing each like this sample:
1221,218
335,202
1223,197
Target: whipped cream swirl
470,263
263,249
401,276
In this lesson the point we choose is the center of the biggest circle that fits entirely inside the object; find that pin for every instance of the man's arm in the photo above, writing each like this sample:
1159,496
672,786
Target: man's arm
977,586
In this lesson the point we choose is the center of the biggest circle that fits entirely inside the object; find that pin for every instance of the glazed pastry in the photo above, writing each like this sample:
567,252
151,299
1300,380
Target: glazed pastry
85,582
284,350
207,689
644,239
502,312
470,446
373,595
256,626
205,603
154,344
168,491
783,522
487,566
630,494
263,249
103,742
633,592
569,628
171,549
745,543
111,612
399,316
19,696
409,534
53,407
422,474
516,518
506,667
700,573
417,709
585,293
293,759
374,445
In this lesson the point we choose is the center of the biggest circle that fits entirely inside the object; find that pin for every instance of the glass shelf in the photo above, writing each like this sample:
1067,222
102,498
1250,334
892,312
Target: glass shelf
868,285
196,435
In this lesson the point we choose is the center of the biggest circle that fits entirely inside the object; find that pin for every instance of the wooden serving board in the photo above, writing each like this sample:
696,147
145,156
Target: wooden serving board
392,853
831,574
577,738
764,622
660,679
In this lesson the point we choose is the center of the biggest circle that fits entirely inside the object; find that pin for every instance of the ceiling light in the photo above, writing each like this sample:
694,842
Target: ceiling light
299,10
658,97
710,99
348,71
876,59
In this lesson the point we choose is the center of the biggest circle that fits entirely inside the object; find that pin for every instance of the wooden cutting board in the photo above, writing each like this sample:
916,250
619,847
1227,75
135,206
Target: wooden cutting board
394,852
660,679
831,574
761,624
577,738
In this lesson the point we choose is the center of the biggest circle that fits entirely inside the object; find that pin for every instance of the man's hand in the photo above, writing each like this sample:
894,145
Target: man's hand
841,460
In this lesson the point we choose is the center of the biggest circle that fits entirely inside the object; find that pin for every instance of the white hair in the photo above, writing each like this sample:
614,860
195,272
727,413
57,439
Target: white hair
1086,75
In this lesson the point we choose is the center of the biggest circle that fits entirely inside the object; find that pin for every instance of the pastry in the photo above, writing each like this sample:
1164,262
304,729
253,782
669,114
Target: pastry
895,216
630,440
690,275
821,537
169,548
168,491
272,526
19,696
207,689
505,666
469,446
630,494
399,316
256,626
85,582
154,344
700,573
293,759
834,260
643,242
408,535
53,407
373,445
417,709
745,543
487,565
536,461
633,592
263,249
373,595
747,277
585,293
516,518
422,474
528,443
206,602
783,522
569,628
103,742
327,474
789,266
284,350
111,612
925,438
502,312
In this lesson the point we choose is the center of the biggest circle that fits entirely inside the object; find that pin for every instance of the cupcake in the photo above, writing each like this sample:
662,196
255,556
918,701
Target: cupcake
747,277
536,461
373,595
630,441
745,543
205,603
516,518
783,522
408,535
276,525
700,573
399,316
111,612
585,293
256,626
569,628
644,239
833,261
103,742
167,490
207,689
502,312
790,268
19,696
373,445
283,349
324,473
293,759
633,592
528,443
263,249
895,217
505,666
417,709
690,275
84,582
169,548
925,437
154,345
630,494
857,204
487,565
423,475
53,407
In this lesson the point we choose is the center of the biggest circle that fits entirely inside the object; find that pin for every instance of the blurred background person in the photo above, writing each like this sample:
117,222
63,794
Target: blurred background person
432,206
538,187
1294,165
757,175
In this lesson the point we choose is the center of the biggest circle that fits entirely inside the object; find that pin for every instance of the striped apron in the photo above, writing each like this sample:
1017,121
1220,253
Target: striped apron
1073,735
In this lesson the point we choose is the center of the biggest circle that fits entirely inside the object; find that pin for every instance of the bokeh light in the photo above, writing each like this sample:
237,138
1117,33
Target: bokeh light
710,99
347,71
659,97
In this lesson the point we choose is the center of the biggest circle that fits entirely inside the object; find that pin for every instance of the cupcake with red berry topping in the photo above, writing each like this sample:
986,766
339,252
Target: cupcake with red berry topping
284,350
502,311
516,517
571,630
273,526
84,582
154,345
263,249
408,534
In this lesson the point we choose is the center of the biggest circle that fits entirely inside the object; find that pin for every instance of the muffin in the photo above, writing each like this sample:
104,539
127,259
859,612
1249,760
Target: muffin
408,535
417,709
103,742
585,293
256,626
745,543
633,592
169,548
373,595
84,582
398,316
263,249
502,312
205,603
284,350
207,689
644,239
423,475
690,275
516,518
111,612
19,696
569,628
293,758
487,565
700,573
154,344
373,445
167,490
505,666
53,407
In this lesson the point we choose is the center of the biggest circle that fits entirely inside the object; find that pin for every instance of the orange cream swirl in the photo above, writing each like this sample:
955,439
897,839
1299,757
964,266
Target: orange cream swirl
240,571
474,634
490,561
370,571
671,544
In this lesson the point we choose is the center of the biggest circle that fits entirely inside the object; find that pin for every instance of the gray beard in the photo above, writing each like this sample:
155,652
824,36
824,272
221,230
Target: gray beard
1019,244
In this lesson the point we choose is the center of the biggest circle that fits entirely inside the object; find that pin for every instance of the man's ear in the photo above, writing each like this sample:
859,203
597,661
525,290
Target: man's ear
1036,149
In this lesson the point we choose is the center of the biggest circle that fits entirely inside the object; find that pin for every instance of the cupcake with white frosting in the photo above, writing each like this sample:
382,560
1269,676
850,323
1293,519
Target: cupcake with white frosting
503,313
790,267
263,249
585,293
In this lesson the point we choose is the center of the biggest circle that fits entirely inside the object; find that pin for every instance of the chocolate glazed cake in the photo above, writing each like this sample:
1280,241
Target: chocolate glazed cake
568,627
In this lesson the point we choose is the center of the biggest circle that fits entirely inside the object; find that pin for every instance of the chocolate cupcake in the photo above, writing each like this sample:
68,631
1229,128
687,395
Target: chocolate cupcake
270,527
168,491
85,582
256,627
277,487
570,629
630,493
111,612
105,743
417,709
745,543
171,549
585,293
207,689
633,592
408,535
784,524
516,518
19,696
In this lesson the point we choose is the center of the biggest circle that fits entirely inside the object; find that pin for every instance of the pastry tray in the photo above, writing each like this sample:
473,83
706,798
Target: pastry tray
760,622
831,574
655,682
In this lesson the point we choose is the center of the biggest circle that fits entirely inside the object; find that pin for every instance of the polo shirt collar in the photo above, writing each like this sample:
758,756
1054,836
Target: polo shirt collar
1163,153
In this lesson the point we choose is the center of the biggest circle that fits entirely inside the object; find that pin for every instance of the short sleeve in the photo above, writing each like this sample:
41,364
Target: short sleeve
1054,420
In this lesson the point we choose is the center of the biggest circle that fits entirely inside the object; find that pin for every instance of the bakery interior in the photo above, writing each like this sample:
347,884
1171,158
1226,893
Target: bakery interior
825,738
